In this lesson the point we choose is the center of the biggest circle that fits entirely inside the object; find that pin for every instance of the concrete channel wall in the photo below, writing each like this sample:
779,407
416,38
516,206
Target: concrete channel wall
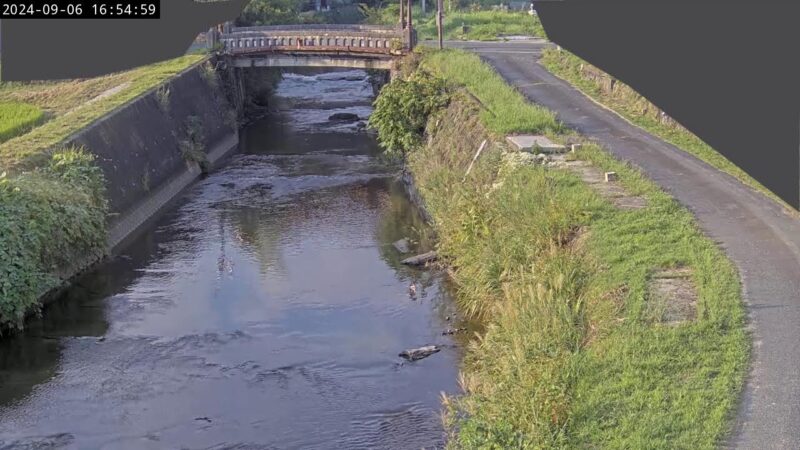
139,148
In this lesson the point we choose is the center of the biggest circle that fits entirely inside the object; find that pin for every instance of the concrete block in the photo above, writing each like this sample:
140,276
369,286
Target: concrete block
535,143
611,176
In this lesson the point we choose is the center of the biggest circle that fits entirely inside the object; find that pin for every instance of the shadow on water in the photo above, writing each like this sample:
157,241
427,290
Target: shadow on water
266,311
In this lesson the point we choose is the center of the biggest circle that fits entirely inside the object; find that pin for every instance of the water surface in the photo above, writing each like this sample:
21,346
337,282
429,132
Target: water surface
266,311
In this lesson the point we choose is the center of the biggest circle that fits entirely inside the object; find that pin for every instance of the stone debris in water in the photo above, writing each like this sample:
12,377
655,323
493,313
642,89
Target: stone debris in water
419,353
344,117
451,331
420,259
401,245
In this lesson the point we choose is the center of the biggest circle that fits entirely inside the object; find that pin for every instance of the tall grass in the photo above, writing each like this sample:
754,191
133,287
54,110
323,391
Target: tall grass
17,118
569,357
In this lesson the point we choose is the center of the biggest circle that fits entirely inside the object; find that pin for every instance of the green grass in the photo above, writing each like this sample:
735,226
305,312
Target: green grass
571,356
17,118
75,104
630,105
504,110
480,25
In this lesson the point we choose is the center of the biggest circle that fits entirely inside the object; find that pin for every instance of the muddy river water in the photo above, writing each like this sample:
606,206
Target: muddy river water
266,310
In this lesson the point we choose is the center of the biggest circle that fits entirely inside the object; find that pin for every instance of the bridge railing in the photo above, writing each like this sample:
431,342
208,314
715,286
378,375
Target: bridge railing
351,39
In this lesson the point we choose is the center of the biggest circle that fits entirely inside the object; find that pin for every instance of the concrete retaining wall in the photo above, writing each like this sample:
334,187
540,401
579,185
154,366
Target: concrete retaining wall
138,146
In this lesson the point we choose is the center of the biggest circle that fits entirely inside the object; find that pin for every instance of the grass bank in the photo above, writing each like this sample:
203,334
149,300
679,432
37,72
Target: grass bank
576,353
638,110
74,104
52,199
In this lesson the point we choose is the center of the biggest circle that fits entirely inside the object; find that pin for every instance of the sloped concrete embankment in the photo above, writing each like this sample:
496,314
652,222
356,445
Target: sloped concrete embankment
142,146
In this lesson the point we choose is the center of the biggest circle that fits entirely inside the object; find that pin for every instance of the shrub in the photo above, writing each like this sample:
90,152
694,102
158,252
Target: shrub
402,110
50,219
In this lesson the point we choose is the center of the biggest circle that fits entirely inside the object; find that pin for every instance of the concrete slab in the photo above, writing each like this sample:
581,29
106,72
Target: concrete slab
672,296
535,143
597,180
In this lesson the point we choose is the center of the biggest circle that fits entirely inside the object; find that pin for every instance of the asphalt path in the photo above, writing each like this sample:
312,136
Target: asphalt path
759,235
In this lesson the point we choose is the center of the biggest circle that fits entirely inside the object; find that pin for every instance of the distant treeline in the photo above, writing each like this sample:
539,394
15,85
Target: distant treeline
285,12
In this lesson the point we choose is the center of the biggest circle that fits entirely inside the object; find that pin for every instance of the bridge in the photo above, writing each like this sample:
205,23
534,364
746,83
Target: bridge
328,45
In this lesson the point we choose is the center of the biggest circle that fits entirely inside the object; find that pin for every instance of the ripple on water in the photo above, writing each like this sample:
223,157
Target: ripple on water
266,311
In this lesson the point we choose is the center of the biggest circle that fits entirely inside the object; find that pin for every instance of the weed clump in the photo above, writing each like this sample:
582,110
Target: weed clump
209,73
50,219
162,96
193,146
403,108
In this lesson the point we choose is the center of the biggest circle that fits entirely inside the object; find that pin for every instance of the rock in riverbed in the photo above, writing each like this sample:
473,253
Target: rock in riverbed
419,353
420,259
452,331
344,117
401,245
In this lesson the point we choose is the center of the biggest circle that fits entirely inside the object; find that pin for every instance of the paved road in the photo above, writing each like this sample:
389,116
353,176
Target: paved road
757,234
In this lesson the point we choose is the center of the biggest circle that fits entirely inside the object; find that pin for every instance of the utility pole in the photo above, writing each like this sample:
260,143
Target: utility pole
410,30
424,10
402,15
439,7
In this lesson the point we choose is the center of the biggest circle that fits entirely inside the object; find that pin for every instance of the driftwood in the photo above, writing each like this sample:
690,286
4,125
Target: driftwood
420,259
419,353
474,158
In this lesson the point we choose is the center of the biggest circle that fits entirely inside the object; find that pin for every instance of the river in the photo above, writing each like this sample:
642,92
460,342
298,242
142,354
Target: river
265,310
